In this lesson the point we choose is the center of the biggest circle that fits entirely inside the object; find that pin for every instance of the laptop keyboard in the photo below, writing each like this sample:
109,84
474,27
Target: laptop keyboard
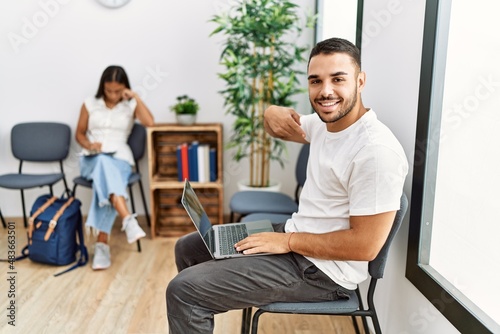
229,235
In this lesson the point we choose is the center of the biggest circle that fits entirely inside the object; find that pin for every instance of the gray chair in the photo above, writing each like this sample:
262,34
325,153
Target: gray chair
273,217
137,143
37,142
249,201
352,307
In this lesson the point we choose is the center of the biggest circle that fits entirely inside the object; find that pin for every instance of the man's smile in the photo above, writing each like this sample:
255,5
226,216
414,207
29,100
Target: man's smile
328,104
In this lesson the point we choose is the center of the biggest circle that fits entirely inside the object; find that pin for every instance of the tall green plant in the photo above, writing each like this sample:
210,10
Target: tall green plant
260,54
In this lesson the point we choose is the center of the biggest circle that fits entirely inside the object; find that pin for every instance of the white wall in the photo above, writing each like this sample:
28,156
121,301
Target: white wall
391,54
59,66
52,53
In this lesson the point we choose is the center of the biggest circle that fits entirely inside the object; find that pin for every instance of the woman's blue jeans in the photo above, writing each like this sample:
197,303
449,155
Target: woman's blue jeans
109,176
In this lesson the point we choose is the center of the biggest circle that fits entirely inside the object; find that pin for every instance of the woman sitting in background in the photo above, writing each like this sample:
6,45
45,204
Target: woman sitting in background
103,128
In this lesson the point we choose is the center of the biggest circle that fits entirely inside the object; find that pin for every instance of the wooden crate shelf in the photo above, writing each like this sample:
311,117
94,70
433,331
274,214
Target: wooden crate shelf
168,217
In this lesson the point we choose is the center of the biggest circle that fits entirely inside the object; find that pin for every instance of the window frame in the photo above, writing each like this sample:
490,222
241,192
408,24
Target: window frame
359,22
455,306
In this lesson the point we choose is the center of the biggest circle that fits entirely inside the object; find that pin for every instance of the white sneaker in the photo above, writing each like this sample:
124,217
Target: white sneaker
102,256
132,229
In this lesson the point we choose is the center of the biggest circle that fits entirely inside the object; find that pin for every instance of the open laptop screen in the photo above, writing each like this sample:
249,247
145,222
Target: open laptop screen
195,210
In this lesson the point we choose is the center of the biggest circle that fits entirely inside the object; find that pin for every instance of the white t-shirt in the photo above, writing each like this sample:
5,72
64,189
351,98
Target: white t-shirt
357,171
111,127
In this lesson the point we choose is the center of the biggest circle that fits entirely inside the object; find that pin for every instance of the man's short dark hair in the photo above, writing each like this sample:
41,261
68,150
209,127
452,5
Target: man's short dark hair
337,45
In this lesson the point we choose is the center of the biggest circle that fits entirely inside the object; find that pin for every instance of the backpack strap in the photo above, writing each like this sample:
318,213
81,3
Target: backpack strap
31,227
53,221
41,209
24,254
84,256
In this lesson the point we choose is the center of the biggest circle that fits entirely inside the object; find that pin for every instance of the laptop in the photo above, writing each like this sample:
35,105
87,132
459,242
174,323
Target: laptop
220,239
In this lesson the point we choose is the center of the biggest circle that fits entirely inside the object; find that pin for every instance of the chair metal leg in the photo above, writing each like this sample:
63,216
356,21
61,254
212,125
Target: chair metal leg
66,188
355,324
376,324
131,198
144,203
24,209
255,321
365,325
133,210
245,320
231,217
371,306
3,219
361,307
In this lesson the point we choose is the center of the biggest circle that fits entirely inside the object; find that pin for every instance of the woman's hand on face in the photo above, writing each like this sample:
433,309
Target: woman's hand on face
127,94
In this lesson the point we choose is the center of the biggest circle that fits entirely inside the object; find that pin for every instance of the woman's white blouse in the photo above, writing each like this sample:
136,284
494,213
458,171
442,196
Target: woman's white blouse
111,127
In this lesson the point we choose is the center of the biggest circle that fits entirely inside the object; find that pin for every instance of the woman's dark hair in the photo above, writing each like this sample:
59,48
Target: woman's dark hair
337,45
112,74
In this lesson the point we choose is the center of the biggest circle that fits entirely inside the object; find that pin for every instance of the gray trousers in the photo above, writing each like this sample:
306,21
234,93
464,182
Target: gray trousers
204,287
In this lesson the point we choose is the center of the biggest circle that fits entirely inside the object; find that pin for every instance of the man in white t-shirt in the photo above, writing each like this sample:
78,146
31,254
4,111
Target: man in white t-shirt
355,176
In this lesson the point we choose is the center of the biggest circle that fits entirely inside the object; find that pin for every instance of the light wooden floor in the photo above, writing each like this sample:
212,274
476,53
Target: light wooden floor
129,297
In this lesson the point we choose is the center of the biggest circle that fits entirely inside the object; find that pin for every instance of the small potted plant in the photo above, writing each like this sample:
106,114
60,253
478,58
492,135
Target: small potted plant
185,110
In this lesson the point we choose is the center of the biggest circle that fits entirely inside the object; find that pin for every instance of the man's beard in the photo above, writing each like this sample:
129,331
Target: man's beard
342,112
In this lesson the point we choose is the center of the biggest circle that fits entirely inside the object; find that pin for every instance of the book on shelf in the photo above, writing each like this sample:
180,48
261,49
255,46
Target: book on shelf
184,158
193,161
213,164
179,163
196,162
203,174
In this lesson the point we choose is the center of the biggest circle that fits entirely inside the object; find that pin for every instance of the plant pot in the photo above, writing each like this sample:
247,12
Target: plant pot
185,119
275,186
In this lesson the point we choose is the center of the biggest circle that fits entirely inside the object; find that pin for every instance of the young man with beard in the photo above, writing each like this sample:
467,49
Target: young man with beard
355,178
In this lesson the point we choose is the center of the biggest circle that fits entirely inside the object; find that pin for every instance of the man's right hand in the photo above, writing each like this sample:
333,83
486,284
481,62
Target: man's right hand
284,123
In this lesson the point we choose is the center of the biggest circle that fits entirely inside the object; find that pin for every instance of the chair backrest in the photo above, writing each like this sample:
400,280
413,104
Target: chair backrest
40,141
301,166
137,141
376,266
301,169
